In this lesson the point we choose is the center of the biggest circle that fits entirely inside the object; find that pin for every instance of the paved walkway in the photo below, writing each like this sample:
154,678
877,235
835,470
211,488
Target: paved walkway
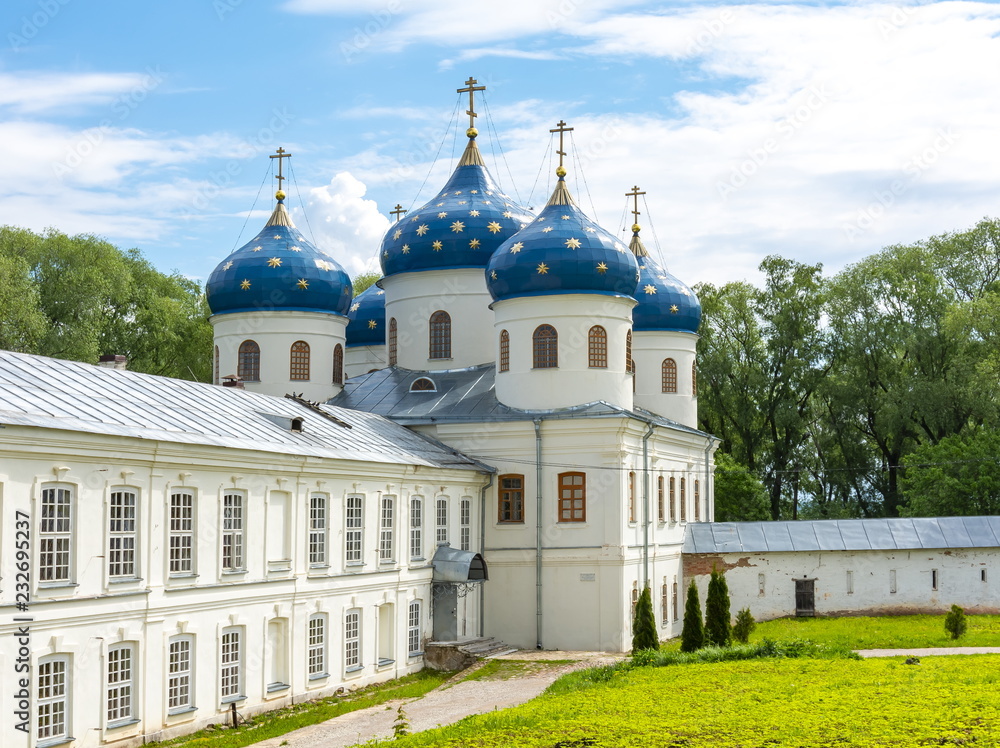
928,651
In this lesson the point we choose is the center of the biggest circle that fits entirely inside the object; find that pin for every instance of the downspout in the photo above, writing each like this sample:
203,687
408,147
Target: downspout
538,532
708,481
645,505
482,549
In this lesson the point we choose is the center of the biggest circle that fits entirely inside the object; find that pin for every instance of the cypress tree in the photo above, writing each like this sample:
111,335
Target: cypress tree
644,626
693,633
718,625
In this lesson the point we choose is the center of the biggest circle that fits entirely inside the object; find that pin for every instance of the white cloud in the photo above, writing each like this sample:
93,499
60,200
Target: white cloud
345,223
35,92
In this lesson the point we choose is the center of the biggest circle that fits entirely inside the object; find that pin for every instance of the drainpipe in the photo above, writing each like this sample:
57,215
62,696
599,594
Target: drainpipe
708,479
482,549
645,505
538,532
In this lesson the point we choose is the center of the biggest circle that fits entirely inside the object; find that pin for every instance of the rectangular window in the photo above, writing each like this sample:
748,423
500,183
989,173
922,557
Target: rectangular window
413,635
934,579
317,645
850,583
892,581
121,534
465,524
982,575
181,542
52,704
760,585
179,673
232,532
673,600
660,501
352,640
416,528
317,530
354,529
683,500
231,670
385,550
441,506
697,502
631,497
572,497
673,500
664,603
121,678
55,535
511,505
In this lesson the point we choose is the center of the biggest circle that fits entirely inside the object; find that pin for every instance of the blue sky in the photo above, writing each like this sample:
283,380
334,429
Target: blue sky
821,132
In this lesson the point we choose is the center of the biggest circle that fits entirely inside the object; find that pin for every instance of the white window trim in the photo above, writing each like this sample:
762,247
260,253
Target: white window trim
122,686
233,537
229,666
319,531
414,631
416,528
386,530
50,701
179,675
352,642
354,530
173,533
118,558
317,652
441,519
69,535
465,523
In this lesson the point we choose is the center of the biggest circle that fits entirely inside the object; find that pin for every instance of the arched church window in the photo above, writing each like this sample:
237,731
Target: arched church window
598,343
299,361
423,384
669,375
440,329
545,347
694,379
392,342
338,364
248,364
683,500
629,364
215,367
697,501
504,351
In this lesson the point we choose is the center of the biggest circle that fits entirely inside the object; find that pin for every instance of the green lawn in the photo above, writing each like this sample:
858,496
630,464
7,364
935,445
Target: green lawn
896,632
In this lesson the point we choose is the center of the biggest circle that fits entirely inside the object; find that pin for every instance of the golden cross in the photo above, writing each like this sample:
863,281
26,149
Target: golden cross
561,128
397,211
281,155
472,88
634,194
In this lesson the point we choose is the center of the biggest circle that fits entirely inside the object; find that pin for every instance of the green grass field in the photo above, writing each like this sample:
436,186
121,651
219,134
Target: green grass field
882,633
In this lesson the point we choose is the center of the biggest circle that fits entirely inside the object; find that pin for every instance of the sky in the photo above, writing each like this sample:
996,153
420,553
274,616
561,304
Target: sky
821,132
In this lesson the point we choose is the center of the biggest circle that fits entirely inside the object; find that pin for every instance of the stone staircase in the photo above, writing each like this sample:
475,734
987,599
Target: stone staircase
458,655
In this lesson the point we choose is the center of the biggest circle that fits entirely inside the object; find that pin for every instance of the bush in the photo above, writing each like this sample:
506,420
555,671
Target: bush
693,632
745,624
718,628
955,622
644,626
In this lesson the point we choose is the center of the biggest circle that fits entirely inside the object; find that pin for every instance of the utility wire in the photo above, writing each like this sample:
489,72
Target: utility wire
267,172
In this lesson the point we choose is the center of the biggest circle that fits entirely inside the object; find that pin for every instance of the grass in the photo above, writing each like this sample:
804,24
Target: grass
280,721
506,669
896,632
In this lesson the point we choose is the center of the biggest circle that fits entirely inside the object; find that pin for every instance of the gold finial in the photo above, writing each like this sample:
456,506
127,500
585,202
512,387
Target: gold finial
280,155
634,194
561,129
471,90
398,211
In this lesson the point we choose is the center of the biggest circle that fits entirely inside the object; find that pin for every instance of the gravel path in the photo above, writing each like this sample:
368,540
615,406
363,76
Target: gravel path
443,706
928,652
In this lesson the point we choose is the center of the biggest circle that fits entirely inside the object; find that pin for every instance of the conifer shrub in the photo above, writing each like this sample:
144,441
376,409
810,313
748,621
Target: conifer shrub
745,624
693,632
644,626
955,622
718,626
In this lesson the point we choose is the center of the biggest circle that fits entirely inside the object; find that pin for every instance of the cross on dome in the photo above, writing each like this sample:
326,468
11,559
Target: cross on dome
561,129
471,89
280,154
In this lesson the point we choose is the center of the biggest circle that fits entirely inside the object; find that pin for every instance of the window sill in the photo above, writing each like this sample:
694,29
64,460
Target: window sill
319,676
233,699
318,567
419,560
182,575
53,742
181,711
390,562
355,565
415,654
233,572
56,585
354,669
384,663
122,723
510,523
282,565
124,580
275,687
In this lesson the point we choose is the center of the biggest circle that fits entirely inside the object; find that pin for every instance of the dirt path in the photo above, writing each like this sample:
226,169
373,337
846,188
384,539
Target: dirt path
444,705
928,651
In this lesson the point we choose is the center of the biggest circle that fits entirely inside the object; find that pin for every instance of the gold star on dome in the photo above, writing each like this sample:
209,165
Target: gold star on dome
650,289
602,268
227,265
685,292
324,265
463,202
277,236
474,244
303,283
414,219
474,213
547,229
442,214
258,248
488,192
406,249
274,262
541,219
516,248
674,309
421,229
457,227
493,274
591,229
459,192
397,233
493,226
296,249
474,192
245,284
573,243
542,268
436,246
385,255
380,292
487,202
372,324
439,205
355,306
508,214
565,218
524,225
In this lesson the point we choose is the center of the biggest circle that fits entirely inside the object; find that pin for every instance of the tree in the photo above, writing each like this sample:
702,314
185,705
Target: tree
959,475
744,626
718,624
365,280
693,631
955,622
644,625
22,323
739,495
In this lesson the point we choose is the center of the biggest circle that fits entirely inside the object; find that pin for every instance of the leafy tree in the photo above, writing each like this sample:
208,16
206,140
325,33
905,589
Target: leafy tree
693,631
744,626
739,495
22,323
955,622
365,280
960,475
644,625
718,624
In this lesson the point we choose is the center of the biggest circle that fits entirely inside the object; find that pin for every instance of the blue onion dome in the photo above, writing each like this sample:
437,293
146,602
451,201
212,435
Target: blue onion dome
560,252
665,303
366,318
278,270
460,228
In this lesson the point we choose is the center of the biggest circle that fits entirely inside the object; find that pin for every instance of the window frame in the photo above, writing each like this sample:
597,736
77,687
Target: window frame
597,348
673,499
57,705
661,507
631,497
338,364
352,641
354,529
299,361
182,677
176,531
248,361
120,684
414,629
122,546
566,510
59,541
318,542
439,335
683,502
232,543
668,376
545,347
392,342
386,529
694,379
231,671
510,500
503,360
465,523
317,646
417,528
629,361
441,519
697,500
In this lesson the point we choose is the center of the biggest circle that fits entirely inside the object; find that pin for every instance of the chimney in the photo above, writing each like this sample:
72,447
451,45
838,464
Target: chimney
113,362
231,380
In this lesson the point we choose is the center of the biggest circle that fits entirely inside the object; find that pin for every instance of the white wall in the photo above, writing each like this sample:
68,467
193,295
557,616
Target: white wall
361,359
649,349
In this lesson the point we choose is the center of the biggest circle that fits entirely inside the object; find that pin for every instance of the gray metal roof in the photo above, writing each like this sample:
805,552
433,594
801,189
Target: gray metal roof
69,395
843,535
460,395
455,565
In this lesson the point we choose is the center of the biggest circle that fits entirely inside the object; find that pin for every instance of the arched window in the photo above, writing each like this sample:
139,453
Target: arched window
629,364
423,384
440,328
545,347
300,361
338,364
669,375
673,499
631,497
392,341
683,500
598,340
248,365
504,350
697,502
660,501
694,379
215,367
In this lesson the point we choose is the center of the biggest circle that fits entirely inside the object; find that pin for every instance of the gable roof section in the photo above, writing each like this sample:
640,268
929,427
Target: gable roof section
73,396
897,533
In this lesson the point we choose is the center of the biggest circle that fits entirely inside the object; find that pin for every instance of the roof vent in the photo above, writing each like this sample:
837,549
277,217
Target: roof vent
231,380
423,384
113,362
297,425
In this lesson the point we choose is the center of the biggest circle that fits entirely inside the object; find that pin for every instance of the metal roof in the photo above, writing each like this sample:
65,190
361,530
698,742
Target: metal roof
843,535
73,396
454,565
